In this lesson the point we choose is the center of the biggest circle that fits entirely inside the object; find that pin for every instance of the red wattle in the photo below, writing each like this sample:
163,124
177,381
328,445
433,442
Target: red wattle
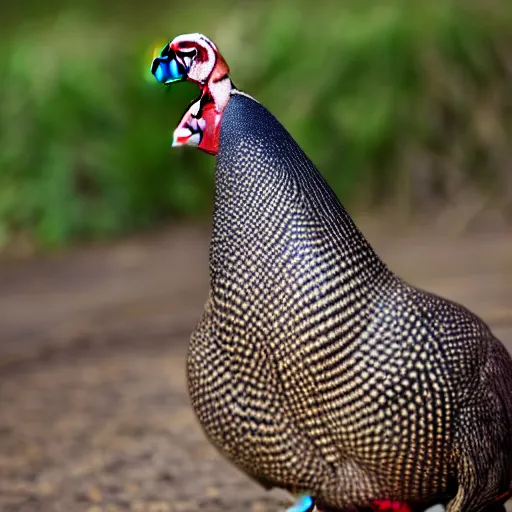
210,138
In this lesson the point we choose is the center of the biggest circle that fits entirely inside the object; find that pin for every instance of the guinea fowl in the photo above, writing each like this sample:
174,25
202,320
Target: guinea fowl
314,368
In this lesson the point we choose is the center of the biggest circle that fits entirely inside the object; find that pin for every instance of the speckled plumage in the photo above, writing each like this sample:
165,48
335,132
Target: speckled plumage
314,368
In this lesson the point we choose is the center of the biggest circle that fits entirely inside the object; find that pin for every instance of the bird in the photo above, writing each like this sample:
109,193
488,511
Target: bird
315,368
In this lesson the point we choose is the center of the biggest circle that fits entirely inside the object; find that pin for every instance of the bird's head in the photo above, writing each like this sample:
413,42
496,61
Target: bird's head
189,57
195,58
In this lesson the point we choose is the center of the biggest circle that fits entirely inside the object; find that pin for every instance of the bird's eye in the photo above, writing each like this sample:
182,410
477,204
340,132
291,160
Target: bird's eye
190,53
187,56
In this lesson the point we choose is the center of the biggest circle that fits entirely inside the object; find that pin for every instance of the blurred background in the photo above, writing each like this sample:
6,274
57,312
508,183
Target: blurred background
404,106
398,102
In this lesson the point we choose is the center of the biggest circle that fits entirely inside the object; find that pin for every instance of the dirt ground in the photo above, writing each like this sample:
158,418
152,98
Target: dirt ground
94,413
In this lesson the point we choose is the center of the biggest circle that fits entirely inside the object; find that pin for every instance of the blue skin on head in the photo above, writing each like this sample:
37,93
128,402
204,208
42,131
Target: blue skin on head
167,71
166,68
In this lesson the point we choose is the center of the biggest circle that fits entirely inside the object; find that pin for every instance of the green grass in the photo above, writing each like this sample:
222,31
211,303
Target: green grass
404,103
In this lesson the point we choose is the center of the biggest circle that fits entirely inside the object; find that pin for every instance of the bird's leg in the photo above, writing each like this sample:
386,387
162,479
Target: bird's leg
304,503
375,506
399,506
388,505
381,506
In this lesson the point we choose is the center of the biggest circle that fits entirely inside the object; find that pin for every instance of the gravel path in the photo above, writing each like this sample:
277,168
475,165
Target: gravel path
94,413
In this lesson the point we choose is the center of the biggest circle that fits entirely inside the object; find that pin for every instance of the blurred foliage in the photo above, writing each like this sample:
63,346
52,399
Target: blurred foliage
404,102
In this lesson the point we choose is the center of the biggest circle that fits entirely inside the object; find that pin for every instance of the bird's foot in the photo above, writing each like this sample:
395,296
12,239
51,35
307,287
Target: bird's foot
304,503
400,506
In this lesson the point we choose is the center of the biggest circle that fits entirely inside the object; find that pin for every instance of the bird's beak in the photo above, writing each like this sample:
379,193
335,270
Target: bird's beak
168,70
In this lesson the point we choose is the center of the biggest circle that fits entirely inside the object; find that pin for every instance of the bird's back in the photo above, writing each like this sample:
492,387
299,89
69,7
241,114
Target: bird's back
314,366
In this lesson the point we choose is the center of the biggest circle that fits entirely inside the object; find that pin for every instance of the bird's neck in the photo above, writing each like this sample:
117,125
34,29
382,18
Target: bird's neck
275,213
